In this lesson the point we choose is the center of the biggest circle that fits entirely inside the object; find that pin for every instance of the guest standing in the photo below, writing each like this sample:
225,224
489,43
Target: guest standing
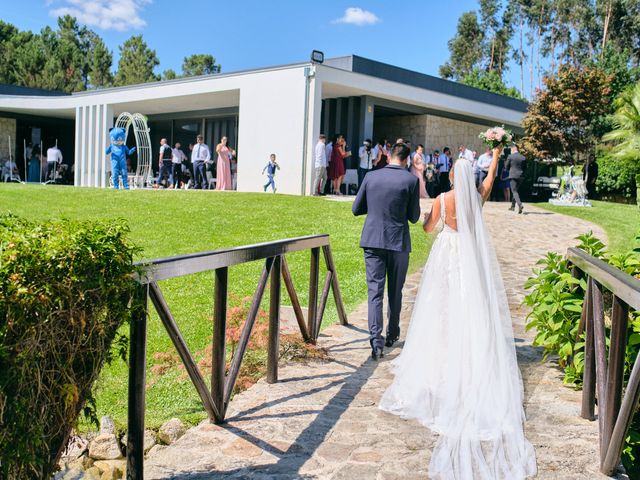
199,156
382,156
367,156
504,183
444,165
320,165
590,176
336,167
165,162
417,168
54,158
223,170
483,164
515,165
177,157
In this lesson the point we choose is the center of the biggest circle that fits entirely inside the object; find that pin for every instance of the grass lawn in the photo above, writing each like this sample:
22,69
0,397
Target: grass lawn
165,223
620,222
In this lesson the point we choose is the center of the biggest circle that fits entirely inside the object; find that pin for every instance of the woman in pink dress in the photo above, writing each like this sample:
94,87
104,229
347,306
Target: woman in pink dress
223,169
417,168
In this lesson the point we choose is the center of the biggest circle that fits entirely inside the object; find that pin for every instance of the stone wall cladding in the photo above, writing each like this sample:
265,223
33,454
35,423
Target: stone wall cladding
432,131
7,128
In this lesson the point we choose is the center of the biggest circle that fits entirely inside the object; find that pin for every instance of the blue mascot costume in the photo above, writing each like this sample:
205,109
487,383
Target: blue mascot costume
119,152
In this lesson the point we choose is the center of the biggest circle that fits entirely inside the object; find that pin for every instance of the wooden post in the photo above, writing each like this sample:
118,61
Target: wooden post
601,360
335,286
629,404
295,302
137,375
181,347
234,369
218,359
313,291
323,302
273,351
588,377
617,348
577,273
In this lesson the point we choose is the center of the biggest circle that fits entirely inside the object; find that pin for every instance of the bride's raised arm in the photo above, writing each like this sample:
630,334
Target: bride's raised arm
487,184
431,219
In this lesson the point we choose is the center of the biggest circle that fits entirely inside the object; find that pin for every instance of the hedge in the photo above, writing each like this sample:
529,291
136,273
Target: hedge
65,289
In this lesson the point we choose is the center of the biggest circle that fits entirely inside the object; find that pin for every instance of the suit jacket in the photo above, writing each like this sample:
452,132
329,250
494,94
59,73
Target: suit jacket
515,165
390,197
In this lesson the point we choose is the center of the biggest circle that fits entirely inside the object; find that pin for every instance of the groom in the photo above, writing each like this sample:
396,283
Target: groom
391,198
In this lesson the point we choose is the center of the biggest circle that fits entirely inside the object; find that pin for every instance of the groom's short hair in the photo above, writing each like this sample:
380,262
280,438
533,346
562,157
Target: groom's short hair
400,151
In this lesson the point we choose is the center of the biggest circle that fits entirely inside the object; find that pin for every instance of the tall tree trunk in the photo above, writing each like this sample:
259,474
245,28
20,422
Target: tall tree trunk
605,32
531,68
521,58
493,46
538,34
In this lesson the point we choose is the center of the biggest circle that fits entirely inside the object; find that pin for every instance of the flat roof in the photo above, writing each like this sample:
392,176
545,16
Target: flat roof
352,63
373,68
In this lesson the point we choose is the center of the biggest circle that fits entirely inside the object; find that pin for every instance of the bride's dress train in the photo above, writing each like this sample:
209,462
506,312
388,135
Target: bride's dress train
457,373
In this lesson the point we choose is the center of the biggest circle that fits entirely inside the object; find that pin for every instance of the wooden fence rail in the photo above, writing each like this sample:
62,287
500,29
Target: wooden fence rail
603,373
216,400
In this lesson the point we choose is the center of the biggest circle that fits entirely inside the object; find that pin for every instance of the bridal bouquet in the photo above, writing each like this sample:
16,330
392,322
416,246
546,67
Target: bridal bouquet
496,137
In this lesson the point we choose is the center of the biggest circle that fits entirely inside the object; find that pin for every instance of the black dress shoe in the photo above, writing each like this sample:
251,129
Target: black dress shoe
512,208
390,341
520,209
377,353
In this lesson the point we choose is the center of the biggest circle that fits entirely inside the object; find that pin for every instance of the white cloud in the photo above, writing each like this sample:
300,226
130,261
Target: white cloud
358,16
118,15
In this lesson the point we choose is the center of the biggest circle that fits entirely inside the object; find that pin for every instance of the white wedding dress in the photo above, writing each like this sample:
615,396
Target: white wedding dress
457,373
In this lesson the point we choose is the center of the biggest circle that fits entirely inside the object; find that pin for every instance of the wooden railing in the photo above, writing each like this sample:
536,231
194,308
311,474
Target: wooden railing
603,377
275,268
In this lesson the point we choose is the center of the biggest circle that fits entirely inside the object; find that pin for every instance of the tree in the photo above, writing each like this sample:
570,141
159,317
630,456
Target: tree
465,48
562,120
199,64
626,121
99,63
490,81
169,75
137,62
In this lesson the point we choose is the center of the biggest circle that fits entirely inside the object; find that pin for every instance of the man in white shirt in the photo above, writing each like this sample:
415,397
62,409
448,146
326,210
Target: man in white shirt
367,154
199,156
484,161
320,164
54,158
177,157
465,153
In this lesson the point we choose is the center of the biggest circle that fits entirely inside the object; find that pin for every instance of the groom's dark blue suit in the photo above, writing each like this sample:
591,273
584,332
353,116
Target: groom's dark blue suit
390,197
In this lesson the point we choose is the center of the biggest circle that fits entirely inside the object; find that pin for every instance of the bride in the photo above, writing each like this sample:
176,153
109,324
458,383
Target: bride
457,373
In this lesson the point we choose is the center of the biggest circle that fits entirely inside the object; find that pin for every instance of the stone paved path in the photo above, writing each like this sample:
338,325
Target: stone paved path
321,420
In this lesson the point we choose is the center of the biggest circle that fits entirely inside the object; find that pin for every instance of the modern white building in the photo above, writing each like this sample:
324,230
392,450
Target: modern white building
280,110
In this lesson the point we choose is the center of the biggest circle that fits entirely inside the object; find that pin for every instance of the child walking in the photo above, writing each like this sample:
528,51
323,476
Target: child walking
271,168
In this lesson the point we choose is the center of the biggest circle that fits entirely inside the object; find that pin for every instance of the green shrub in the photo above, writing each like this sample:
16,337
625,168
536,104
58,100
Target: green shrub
556,300
617,176
64,291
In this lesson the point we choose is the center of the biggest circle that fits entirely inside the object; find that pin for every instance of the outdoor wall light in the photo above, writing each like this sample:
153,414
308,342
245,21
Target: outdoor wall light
317,56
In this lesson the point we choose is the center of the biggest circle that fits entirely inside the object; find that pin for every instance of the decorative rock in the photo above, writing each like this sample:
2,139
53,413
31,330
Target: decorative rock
111,469
92,473
171,431
107,425
149,440
75,448
105,447
156,449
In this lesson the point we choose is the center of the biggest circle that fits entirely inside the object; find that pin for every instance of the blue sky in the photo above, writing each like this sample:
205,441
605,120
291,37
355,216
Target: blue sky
249,33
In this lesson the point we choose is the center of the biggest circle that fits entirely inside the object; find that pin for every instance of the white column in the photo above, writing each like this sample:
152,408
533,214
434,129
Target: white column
78,147
91,140
313,129
85,146
107,123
